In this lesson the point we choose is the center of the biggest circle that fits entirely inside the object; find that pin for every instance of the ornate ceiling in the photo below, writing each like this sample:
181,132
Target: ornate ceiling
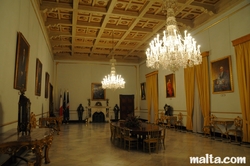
88,30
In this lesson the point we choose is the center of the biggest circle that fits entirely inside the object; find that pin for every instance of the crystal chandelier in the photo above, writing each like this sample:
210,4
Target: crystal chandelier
172,51
113,80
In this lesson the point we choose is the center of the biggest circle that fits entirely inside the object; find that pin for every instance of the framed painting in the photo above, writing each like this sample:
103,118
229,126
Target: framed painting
46,85
38,80
143,91
97,92
221,75
170,85
21,65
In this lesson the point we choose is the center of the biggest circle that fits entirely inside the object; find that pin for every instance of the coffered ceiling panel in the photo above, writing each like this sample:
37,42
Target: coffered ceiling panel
96,30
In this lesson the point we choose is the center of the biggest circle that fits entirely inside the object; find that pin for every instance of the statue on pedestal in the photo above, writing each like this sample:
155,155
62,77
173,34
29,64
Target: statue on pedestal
80,111
116,110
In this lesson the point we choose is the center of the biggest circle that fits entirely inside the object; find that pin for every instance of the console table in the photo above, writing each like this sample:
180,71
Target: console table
169,121
225,122
56,121
39,140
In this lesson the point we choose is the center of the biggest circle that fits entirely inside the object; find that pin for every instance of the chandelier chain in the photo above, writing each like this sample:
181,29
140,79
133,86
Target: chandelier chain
113,80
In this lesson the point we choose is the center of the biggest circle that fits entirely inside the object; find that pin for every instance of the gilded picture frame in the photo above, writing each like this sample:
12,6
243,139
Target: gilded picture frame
221,75
143,91
38,78
97,92
46,85
22,62
170,85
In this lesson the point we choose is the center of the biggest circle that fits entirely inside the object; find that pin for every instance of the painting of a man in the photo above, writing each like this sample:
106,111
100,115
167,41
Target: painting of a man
38,77
22,60
222,83
143,93
170,85
170,90
221,75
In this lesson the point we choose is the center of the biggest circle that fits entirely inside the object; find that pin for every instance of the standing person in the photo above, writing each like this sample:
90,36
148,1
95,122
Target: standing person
80,110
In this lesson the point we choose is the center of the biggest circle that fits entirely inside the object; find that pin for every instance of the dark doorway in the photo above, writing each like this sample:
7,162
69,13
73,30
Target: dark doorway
126,106
98,117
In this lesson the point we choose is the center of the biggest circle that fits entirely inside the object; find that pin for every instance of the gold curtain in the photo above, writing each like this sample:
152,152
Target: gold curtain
242,52
148,95
202,77
189,89
152,94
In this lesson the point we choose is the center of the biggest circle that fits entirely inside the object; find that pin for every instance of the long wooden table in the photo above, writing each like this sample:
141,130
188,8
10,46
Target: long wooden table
39,140
143,130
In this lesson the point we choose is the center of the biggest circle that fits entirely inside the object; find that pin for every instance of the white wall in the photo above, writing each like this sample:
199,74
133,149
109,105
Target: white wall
215,37
20,16
77,77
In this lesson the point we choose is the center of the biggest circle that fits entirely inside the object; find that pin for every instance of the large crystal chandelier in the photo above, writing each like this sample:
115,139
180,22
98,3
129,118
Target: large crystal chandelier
172,51
113,80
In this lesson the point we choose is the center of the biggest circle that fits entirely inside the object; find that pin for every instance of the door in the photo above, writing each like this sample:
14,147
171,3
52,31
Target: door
126,106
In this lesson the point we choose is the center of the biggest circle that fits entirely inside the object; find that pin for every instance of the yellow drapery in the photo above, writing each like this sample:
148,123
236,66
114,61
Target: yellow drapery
242,52
202,77
189,89
152,94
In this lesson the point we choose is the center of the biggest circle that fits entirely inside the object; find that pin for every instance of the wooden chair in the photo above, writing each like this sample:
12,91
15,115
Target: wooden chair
152,141
112,132
178,123
161,120
119,135
208,129
33,122
237,130
162,137
129,140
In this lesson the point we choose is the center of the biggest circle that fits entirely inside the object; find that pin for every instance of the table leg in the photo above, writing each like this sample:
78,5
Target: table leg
47,147
38,152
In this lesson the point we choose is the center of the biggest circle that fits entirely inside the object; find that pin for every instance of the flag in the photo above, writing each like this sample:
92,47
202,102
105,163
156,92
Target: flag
64,107
61,105
67,105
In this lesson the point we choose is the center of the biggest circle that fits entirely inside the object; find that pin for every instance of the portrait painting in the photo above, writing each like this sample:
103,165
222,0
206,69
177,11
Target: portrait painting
170,85
97,92
38,81
221,75
46,85
143,91
21,64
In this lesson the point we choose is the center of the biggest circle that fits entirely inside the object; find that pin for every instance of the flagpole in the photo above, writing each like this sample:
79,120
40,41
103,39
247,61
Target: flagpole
67,106
61,104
